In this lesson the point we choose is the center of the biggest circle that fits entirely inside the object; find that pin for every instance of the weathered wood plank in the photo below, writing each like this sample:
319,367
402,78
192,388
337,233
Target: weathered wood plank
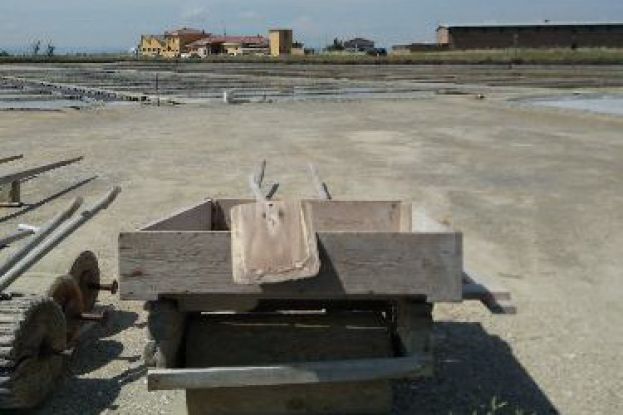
272,242
346,398
194,218
414,327
153,264
493,296
272,339
9,178
10,158
331,215
287,374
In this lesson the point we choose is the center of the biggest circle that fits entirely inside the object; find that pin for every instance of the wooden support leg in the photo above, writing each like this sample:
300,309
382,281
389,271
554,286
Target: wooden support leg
11,195
413,326
166,326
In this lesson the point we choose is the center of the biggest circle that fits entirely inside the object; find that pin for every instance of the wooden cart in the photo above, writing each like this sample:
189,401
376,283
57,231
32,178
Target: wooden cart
323,345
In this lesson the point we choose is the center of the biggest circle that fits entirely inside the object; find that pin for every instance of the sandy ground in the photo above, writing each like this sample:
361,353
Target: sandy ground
538,194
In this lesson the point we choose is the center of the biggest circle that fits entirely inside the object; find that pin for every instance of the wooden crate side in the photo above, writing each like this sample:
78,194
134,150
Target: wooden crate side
154,264
195,218
331,215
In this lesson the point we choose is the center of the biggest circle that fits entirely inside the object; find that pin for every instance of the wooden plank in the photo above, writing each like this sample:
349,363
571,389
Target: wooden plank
363,216
273,242
348,398
493,296
321,187
286,374
13,177
11,195
353,216
10,158
194,218
414,327
153,264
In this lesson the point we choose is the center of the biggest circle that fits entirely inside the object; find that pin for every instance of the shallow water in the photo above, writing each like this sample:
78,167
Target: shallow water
611,104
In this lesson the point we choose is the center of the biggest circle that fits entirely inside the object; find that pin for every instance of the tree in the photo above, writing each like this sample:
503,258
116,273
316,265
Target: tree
337,45
50,50
4,53
35,47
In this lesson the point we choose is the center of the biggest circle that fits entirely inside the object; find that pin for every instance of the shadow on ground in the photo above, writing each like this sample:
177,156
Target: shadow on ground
90,396
32,206
472,368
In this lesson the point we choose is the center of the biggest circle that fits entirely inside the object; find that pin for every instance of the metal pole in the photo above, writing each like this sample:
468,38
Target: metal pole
39,236
57,237
157,90
8,240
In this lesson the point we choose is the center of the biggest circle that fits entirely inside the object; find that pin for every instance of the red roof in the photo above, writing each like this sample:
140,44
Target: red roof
246,40
185,31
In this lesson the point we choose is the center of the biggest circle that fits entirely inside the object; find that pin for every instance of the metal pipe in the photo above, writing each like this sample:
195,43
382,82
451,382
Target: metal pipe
19,235
57,237
113,287
39,236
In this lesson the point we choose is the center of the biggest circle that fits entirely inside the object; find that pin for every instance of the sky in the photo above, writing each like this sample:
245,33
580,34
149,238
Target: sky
116,25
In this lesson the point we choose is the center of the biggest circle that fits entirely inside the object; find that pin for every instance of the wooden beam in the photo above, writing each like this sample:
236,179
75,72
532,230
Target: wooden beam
496,298
321,187
194,218
364,264
333,215
286,374
11,158
17,176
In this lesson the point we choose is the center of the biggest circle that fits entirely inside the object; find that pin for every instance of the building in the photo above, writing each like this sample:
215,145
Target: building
545,35
171,44
152,45
228,45
281,41
416,47
358,44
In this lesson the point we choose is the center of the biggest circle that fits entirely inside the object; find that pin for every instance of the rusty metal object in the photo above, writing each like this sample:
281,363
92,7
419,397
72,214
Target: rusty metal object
101,318
113,287
67,294
85,271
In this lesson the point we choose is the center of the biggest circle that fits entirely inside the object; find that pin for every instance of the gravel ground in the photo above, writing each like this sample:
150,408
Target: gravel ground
537,193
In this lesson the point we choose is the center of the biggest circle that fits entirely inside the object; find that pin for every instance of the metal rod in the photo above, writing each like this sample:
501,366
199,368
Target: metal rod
101,318
39,236
57,237
10,178
321,187
11,158
113,287
255,183
19,235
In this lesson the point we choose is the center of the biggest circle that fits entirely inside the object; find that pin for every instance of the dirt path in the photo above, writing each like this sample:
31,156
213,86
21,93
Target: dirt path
536,192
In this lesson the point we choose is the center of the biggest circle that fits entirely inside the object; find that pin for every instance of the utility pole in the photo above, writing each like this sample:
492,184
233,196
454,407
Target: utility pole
157,91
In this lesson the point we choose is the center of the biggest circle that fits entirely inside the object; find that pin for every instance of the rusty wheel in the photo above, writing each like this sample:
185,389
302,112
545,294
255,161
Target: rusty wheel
32,333
67,294
86,273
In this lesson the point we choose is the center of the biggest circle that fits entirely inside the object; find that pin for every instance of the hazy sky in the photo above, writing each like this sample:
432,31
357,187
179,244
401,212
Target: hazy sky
117,24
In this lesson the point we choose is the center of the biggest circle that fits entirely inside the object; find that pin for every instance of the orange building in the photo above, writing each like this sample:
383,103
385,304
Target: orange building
170,45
